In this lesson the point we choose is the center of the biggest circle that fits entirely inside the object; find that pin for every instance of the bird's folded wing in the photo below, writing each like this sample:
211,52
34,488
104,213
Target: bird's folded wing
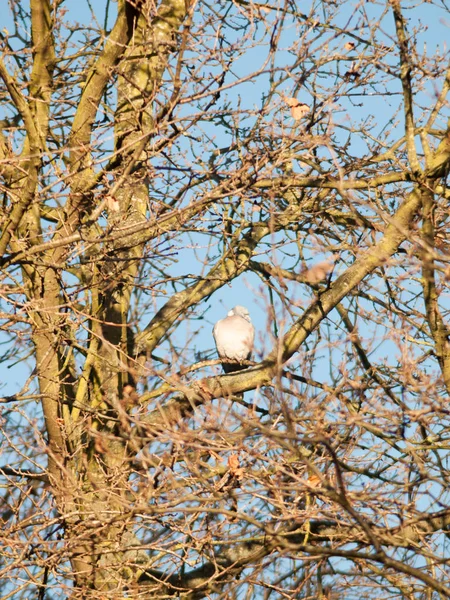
234,338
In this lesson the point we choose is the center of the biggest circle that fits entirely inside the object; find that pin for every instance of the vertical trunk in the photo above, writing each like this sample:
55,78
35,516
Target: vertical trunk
103,473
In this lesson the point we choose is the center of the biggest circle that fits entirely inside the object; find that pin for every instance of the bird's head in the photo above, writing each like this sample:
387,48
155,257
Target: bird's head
240,311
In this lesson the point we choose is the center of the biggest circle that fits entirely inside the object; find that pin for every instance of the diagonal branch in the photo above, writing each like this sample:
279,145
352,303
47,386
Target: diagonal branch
97,79
225,385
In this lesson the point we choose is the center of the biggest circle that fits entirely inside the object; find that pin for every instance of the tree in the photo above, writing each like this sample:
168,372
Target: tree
149,159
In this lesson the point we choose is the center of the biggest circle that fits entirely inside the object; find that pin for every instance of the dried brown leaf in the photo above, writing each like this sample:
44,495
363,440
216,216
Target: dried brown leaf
318,272
313,481
112,204
291,101
299,111
233,466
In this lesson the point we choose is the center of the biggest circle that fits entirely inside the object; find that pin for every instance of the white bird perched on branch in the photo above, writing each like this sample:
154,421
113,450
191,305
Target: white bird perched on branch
234,337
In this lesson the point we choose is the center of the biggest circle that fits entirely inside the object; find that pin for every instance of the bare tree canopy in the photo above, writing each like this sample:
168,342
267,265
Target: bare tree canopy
159,159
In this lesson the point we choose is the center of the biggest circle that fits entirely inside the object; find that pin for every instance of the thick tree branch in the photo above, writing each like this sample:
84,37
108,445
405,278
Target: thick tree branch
97,79
226,385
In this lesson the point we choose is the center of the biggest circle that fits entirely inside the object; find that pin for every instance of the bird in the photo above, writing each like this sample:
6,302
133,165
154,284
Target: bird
234,336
